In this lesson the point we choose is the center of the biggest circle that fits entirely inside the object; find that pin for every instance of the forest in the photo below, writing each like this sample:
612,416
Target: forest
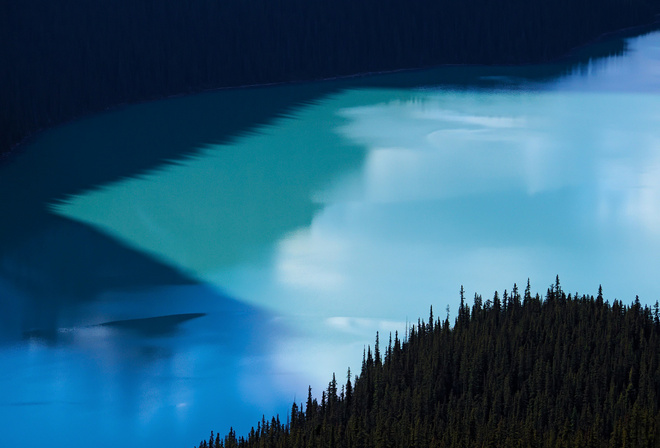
516,370
65,58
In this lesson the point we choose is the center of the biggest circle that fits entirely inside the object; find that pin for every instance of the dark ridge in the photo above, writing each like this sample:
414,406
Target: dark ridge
513,371
65,58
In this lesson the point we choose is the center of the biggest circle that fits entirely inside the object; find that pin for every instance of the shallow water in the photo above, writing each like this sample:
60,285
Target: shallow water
191,264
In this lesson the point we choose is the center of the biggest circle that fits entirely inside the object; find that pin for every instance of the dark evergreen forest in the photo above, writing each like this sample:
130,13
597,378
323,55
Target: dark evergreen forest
64,58
513,371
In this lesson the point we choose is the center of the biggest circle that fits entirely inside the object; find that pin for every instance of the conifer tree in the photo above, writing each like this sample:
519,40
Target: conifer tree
564,371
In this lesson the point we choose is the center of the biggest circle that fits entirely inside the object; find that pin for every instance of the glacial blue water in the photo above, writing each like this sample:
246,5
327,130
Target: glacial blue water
187,265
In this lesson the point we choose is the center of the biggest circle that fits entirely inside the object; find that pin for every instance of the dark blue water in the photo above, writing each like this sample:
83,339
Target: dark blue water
186,265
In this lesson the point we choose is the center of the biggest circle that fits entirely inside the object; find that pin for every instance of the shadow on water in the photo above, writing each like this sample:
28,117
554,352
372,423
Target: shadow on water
46,278
50,263
70,278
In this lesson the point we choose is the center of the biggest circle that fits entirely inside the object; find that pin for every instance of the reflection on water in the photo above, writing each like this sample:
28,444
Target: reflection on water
639,65
227,267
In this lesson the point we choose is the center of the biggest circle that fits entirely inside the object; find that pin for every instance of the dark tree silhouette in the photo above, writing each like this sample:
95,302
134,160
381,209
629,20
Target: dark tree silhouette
562,371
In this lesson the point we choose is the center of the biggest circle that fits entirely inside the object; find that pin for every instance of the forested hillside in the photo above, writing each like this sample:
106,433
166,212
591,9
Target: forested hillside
513,371
64,58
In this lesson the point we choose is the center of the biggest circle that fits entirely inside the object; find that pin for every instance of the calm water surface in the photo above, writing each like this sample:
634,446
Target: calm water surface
191,264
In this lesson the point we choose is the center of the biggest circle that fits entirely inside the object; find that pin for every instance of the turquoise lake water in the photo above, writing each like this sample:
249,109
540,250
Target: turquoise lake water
187,265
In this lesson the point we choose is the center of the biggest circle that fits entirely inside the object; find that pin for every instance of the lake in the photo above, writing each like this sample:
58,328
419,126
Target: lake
187,265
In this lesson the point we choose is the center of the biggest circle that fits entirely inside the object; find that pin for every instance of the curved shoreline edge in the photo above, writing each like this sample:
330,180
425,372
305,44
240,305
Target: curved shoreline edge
15,148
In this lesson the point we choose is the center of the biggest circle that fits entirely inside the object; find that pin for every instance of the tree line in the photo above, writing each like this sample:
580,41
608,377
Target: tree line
517,370
64,58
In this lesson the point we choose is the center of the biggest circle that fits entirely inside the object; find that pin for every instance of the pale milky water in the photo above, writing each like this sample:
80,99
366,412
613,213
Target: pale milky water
282,245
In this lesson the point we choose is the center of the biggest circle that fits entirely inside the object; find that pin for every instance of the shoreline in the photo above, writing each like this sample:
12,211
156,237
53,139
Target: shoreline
6,155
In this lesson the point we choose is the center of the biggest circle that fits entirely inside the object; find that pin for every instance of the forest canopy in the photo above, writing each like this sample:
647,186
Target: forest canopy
568,370
65,58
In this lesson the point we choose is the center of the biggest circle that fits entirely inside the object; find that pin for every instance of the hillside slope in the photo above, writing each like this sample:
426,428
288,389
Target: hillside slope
515,371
